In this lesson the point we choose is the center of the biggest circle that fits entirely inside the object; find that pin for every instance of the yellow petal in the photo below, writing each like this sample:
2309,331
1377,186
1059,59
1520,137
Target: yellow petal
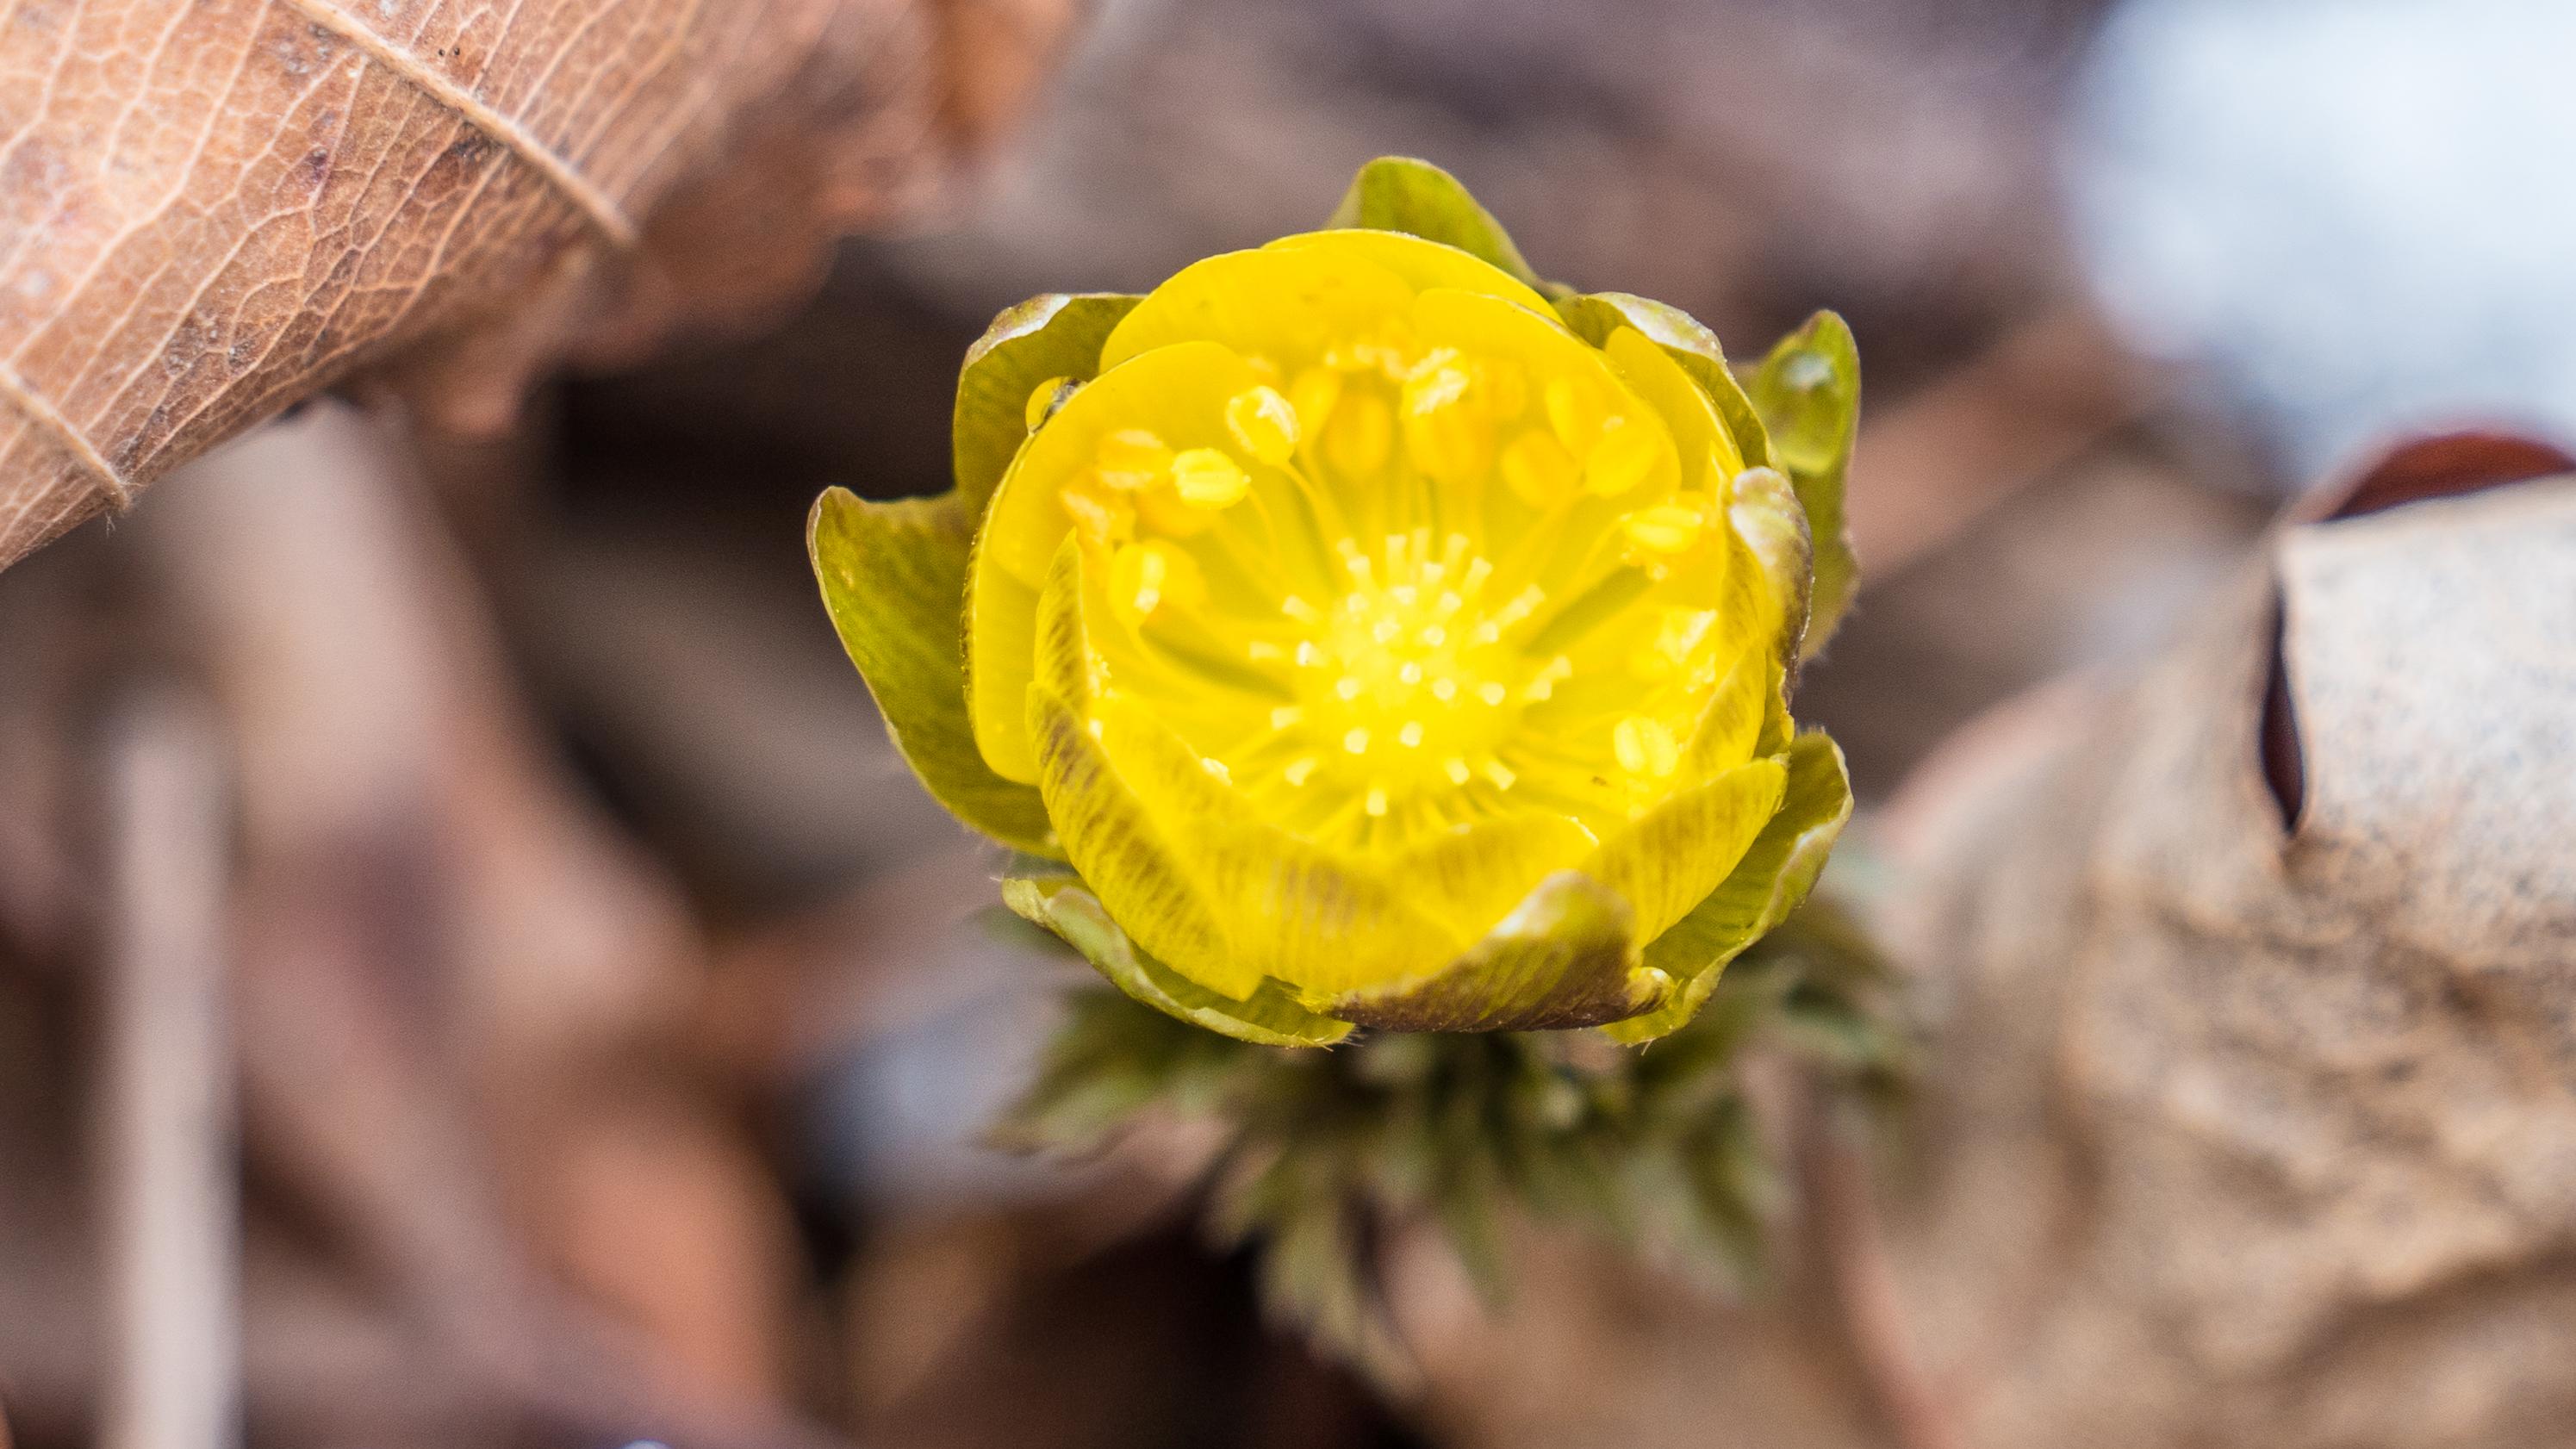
1671,857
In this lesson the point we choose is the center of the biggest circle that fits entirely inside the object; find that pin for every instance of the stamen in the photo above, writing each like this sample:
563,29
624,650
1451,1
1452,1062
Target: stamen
1498,772
1491,691
1207,478
1456,769
1665,528
1645,746
1621,460
1045,398
1216,767
1299,770
1348,686
1377,800
1264,422
1301,611
1538,470
1312,396
1132,458
1444,689
1411,735
1357,741
1285,715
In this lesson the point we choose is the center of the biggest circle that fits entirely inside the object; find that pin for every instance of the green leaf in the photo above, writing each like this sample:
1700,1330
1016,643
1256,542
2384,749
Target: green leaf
1562,958
1270,1018
1057,335
1399,193
1596,315
1808,393
1768,883
894,581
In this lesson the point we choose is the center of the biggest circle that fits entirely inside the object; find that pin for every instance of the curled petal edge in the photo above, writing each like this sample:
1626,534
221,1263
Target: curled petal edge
1055,335
1269,1017
1766,885
893,578
1595,315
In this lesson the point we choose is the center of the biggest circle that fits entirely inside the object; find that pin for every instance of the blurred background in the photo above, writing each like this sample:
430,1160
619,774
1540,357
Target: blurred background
609,1023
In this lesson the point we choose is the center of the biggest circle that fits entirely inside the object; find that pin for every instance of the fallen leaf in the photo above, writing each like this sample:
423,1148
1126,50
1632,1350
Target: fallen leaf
210,209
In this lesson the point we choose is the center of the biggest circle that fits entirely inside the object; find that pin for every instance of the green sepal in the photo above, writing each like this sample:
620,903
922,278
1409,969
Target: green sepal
1400,193
1766,885
1808,393
1056,335
1271,1017
1595,315
1564,957
894,581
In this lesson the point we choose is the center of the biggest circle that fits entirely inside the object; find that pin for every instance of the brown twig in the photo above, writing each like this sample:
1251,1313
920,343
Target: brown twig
173,1212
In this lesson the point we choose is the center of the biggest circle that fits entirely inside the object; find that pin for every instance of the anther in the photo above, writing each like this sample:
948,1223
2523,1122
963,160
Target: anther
1357,740
1133,458
1207,478
1411,735
1264,422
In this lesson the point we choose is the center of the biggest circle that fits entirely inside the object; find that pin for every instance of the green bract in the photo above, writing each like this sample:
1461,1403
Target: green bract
1373,635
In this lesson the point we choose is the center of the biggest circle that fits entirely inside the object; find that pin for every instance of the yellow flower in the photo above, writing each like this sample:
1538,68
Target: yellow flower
1374,633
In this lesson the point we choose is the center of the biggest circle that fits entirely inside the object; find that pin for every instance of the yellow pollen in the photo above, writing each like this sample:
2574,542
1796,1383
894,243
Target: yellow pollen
1299,770
1308,656
1411,673
1264,422
1456,769
1385,630
1209,479
1360,435
1411,735
1645,746
1433,636
1376,800
1491,691
1498,772
1444,689
1096,729
1045,398
1216,767
1348,687
1621,460
1132,458
1356,741
1664,528
1299,610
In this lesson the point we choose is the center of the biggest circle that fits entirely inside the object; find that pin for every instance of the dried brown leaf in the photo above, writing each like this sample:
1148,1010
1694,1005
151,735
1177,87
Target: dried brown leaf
2265,1133
210,209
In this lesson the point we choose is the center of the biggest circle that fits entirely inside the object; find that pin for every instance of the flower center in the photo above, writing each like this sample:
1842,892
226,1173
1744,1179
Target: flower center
1409,681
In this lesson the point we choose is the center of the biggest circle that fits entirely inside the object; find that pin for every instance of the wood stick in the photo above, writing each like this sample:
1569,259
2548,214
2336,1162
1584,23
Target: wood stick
170,1180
